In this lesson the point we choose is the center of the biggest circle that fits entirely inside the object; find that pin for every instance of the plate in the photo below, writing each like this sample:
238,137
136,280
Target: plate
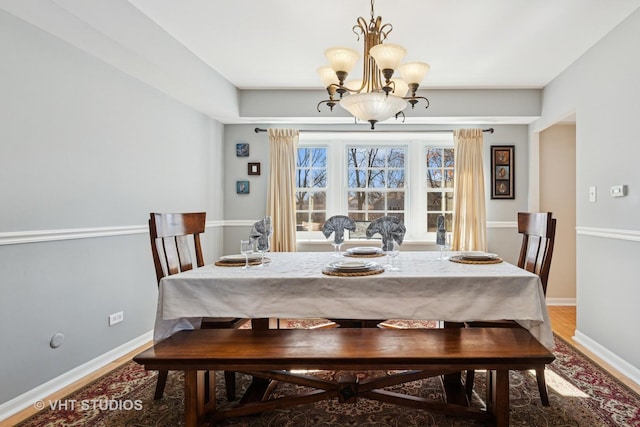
239,257
477,255
352,265
364,250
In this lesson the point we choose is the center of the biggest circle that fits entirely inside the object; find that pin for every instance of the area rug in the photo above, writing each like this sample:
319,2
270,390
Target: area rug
581,394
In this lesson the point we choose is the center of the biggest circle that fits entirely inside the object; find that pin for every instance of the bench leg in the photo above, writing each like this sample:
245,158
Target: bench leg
199,396
191,398
498,396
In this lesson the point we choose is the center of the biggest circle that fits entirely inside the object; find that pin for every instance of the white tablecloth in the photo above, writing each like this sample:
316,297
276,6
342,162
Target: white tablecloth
292,285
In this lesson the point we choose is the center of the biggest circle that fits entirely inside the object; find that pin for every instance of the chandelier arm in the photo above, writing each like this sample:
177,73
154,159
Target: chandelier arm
413,100
330,103
360,29
384,31
402,114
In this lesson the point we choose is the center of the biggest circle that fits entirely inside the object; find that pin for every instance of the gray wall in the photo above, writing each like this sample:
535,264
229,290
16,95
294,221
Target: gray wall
84,146
602,88
241,209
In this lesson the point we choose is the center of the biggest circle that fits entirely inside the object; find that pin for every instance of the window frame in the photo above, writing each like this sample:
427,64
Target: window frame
415,173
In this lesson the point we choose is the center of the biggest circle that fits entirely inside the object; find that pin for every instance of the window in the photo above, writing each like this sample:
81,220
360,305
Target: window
311,188
439,186
375,178
394,174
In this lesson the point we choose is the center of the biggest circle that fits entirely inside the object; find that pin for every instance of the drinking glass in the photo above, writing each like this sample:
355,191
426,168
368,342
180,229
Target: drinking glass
392,252
445,247
336,246
246,249
263,245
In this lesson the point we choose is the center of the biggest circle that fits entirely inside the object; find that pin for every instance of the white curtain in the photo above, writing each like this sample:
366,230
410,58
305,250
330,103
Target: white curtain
469,210
281,206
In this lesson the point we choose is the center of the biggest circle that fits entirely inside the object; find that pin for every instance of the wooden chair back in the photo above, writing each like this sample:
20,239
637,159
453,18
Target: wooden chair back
175,238
538,234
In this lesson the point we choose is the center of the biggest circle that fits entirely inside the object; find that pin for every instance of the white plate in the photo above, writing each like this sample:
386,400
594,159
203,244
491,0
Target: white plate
364,250
352,265
477,255
239,257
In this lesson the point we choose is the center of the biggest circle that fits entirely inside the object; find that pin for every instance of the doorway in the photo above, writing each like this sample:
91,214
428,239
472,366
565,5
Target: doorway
557,172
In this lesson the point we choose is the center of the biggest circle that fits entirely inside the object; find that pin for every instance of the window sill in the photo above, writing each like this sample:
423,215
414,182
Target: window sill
313,245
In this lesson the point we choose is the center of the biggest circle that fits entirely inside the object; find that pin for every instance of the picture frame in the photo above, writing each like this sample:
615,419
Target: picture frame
242,187
253,169
242,149
502,172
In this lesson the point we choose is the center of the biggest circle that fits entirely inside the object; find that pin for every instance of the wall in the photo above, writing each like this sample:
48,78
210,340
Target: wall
242,209
86,152
557,195
602,88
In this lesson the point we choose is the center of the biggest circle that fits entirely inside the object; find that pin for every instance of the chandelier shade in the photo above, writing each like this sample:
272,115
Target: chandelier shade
373,106
400,87
328,76
342,58
386,85
413,72
388,56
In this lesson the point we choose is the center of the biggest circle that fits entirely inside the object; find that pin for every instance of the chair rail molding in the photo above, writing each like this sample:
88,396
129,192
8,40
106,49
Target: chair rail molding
502,224
609,233
39,236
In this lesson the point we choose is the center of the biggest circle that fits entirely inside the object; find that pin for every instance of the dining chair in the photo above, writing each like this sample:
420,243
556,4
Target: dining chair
538,231
175,240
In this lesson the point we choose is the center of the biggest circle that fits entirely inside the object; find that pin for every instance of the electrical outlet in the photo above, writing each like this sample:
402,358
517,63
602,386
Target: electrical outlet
116,318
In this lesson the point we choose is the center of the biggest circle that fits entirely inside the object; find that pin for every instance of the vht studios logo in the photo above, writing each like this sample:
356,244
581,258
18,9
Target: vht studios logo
89,404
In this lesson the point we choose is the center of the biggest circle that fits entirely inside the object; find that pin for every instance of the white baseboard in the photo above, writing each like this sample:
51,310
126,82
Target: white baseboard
561,301
621,365
27,399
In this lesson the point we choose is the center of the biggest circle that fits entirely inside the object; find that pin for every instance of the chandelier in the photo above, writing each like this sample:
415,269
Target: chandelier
378,96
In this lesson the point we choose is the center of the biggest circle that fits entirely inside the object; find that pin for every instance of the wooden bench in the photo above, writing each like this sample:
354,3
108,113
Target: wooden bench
418,353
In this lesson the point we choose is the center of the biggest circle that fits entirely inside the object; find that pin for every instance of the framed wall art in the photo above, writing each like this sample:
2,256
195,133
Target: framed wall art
242,187
242,150
254,169
502,172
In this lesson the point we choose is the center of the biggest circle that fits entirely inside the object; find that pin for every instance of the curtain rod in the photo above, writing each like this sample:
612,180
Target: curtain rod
258,130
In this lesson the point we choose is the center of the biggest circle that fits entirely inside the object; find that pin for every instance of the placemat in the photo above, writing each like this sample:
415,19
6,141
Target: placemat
352,273
240,263
352,255
460,260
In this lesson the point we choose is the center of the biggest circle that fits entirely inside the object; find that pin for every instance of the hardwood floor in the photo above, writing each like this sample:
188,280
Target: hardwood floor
563,323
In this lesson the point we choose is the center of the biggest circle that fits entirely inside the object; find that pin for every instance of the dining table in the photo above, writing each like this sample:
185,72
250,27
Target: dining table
424,286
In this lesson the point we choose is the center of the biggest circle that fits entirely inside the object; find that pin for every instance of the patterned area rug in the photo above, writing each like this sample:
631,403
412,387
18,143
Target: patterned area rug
581,394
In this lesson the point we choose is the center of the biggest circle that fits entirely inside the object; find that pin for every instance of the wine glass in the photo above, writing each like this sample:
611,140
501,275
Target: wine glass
388,249
445,246
246,249
393,250
336,246
263,245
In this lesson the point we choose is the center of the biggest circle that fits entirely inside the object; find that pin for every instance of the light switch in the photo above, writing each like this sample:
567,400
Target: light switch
592,194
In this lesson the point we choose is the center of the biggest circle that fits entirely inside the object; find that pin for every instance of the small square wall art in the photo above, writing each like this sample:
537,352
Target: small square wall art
242,149
242,187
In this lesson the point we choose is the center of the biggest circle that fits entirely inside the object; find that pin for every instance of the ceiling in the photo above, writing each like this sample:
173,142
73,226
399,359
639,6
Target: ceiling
201,52
278,44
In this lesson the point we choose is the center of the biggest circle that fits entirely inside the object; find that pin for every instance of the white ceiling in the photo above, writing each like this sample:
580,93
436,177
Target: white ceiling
200,52
278,44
